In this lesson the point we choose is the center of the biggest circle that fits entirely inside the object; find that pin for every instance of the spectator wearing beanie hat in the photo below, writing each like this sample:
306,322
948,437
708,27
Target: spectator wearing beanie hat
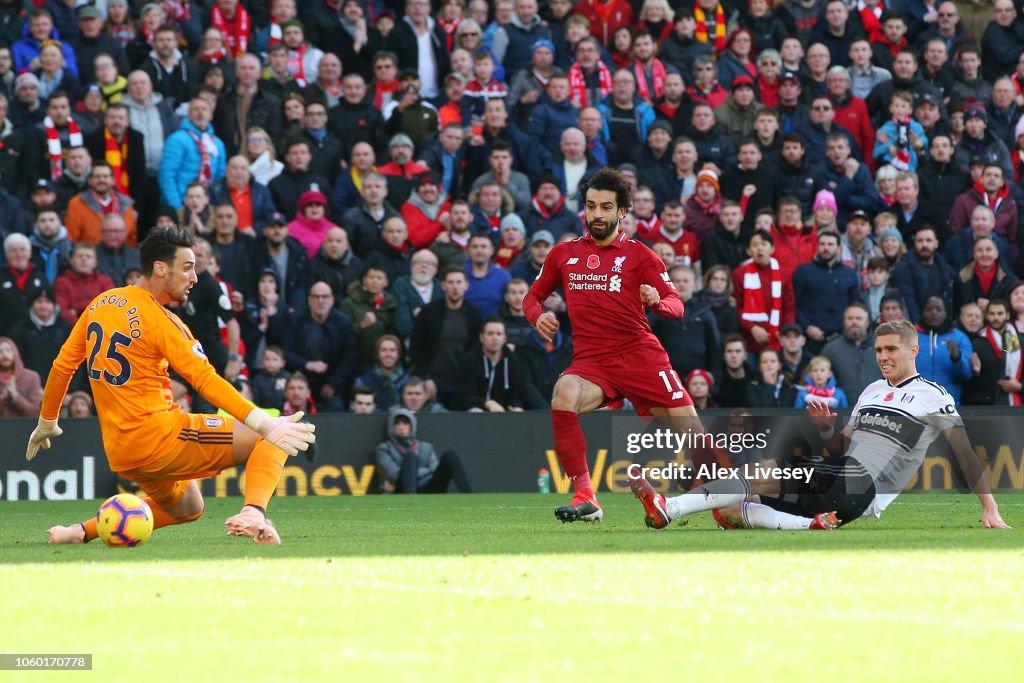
311,225
977,141
825,212
701,394
513,239
27,108
736,117
703,207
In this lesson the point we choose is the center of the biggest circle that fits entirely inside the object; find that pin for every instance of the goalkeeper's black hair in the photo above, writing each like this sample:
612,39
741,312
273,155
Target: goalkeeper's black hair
608,179
162,244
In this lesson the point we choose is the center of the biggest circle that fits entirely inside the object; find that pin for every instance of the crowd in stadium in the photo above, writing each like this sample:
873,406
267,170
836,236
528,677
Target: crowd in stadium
374,185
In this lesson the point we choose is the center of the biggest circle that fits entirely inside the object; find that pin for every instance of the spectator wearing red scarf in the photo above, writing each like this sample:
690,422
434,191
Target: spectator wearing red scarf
989,190
234,23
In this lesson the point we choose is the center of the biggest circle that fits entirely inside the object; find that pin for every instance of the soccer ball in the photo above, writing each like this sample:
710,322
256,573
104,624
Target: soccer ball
124,520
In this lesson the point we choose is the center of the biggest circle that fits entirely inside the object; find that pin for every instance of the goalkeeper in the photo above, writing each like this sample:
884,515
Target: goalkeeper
128,339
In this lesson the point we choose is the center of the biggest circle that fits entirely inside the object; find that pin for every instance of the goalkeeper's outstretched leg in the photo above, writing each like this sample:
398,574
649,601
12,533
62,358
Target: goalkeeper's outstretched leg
208,445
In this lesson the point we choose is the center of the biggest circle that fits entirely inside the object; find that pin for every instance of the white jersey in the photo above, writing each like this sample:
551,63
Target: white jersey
893,426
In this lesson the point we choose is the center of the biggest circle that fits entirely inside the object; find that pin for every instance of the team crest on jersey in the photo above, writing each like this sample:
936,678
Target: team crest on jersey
214,422
617,266
593,261
906,398
197,349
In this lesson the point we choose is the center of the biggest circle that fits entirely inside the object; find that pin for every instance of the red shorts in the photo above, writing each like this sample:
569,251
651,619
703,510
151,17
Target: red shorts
644,376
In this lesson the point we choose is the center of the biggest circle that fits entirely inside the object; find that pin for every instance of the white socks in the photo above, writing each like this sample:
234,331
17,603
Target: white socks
757,516
720,493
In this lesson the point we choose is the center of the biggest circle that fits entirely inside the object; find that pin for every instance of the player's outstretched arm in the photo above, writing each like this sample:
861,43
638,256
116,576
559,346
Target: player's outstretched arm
976,477
71,355
286,432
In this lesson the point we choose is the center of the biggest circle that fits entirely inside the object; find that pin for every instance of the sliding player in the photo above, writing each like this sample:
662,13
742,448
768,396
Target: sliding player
894,422
608,280
127,340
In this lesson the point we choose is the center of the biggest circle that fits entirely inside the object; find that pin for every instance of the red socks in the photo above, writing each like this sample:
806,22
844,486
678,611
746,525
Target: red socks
571,447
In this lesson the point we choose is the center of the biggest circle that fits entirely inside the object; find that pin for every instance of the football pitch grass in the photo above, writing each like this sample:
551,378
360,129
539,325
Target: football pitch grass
493,588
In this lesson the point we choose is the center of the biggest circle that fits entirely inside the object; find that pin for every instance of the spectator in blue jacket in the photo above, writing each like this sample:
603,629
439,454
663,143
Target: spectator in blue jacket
486,280
553,114
191,153
820,386
945,352
37,31
845,177
822,289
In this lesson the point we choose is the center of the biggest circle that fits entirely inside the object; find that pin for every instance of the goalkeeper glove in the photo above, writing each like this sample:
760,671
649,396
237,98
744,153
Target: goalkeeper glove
41,435
287,433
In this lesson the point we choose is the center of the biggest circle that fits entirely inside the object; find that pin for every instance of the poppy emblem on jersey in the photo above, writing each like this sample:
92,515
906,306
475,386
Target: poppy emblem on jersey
617,266
888,397
593,261
213,422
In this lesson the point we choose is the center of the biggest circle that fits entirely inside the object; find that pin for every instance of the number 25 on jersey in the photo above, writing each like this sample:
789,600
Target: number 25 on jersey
113,354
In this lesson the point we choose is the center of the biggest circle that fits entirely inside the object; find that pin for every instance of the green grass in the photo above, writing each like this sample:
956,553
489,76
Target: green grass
492,588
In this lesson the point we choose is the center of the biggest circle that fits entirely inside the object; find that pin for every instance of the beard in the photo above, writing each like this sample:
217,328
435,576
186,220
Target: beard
601,230
855,334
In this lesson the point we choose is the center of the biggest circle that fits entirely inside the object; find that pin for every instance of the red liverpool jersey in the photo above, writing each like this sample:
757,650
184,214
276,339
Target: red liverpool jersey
601,286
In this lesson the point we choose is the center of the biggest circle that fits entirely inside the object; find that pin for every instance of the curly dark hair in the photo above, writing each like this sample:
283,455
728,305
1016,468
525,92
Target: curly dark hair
610,179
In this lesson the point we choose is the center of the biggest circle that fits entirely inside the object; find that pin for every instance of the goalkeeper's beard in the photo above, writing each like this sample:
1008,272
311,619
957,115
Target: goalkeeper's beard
601,230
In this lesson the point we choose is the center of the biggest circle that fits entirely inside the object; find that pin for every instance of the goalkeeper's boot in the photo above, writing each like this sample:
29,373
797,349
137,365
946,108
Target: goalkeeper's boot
581,509
252,522
655,513
825,521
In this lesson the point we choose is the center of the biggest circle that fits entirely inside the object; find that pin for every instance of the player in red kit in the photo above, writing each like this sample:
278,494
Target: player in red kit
608,280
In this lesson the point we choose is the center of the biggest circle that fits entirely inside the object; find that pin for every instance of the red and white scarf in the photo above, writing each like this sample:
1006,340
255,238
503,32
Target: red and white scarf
544,211
384,93
236,32
753,300
207,150
993,204
114,153
111,205
297,63
902,144
871,18
658,74
1007,349
702,26
276,34
647,228
578,84
53,146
